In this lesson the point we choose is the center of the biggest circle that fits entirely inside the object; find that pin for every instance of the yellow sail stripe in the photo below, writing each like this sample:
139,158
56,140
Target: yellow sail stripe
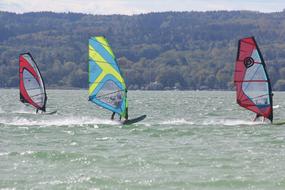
106,69
105,44
96,82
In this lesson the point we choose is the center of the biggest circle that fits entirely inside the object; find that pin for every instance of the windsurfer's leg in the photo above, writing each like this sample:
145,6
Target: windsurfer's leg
255,118
127,114
263,120
37,111
113,115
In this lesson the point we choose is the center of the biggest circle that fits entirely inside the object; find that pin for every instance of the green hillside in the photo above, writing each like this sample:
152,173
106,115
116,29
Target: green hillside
185,50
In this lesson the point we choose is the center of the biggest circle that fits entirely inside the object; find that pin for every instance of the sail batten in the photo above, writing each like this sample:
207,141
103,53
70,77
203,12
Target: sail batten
32,88
252,83
107,87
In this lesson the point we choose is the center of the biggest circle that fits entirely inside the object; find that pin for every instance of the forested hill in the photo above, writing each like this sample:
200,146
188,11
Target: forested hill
185,50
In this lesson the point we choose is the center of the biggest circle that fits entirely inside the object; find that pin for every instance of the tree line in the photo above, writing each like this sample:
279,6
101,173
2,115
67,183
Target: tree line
156,51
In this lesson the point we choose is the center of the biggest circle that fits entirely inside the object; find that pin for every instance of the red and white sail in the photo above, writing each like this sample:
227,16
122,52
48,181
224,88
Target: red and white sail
32,88
253,88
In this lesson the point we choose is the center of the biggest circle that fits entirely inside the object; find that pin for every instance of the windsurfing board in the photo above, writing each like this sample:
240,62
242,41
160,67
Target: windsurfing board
135,120
279,123
50,113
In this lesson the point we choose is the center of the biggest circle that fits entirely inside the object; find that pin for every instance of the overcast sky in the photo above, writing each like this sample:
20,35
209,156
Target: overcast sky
138,6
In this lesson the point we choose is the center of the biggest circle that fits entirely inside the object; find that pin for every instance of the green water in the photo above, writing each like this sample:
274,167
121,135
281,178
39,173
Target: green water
189,140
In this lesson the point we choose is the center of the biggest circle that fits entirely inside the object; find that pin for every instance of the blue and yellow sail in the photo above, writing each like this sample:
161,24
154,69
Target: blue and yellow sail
107,87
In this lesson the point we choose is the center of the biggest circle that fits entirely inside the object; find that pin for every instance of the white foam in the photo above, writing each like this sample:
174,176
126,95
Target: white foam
22,110
146,124
71,180
230,122
4,153
65,121
276,106
176,122
27,152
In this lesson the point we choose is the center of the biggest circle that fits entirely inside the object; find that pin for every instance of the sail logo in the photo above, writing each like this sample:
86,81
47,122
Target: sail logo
248,62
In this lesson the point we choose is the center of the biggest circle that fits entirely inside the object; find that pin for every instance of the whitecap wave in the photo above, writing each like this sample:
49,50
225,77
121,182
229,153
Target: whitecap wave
4,153
24,111
276,106
231,122
65,121
176,122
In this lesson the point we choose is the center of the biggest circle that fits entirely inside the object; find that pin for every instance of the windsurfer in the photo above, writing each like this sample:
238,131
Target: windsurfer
116,101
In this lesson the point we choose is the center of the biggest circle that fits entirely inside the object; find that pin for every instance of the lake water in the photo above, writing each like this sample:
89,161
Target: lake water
189,140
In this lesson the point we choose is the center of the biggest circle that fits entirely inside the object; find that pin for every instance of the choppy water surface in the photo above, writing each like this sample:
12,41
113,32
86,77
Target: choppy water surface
190,140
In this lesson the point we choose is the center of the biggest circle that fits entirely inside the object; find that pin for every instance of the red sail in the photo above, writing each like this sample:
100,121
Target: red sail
32,89
253,88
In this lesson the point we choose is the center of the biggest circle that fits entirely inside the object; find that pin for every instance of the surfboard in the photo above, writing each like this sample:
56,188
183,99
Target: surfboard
134,120
253,87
